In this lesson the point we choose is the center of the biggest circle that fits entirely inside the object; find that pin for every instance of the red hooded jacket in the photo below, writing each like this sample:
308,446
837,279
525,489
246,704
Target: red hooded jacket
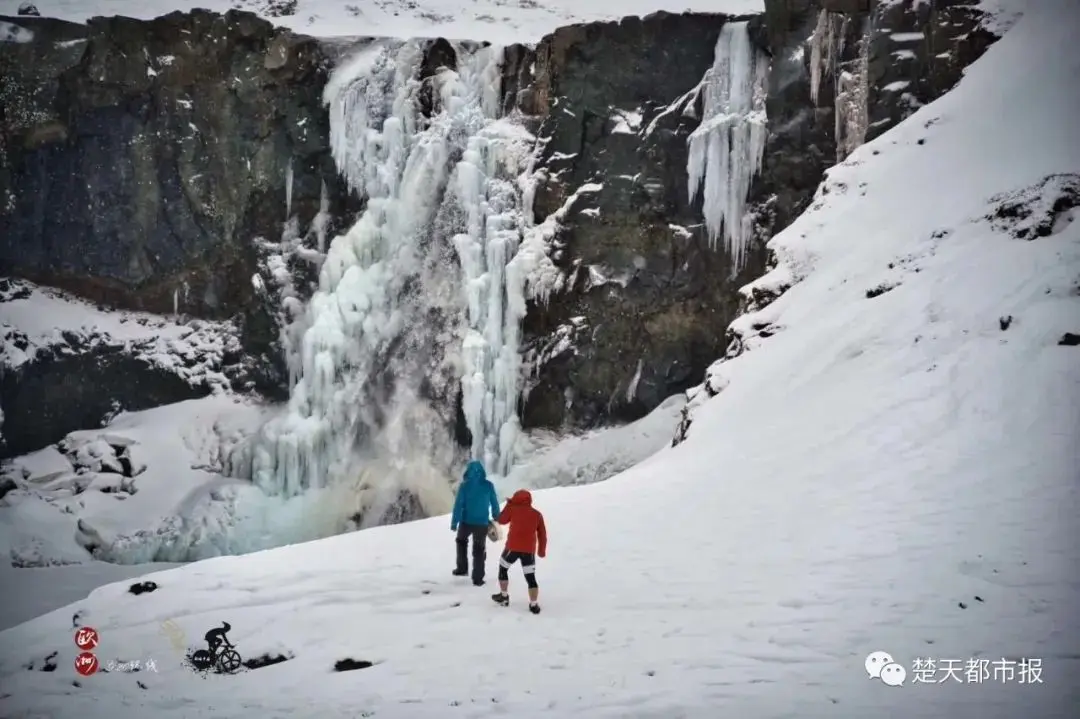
527,528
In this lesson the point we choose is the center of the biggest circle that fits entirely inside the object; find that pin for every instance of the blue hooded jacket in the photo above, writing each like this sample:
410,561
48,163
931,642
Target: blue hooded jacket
475,498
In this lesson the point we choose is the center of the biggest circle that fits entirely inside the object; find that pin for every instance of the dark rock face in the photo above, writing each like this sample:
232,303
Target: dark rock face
159,166
647,299
66,391
139,161
876,63
843,72
917,53
162,165
78,379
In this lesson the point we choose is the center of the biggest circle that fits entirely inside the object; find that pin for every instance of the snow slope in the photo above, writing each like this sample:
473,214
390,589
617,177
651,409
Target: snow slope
499,21
31,592
891,470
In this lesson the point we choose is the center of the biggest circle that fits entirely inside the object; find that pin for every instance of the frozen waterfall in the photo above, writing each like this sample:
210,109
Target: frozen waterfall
726,149
417,301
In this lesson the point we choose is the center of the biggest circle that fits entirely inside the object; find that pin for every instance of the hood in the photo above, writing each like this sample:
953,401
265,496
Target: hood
474,472
522,496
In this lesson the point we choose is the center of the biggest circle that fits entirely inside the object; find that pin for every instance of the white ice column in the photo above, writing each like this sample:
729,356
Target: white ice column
726,150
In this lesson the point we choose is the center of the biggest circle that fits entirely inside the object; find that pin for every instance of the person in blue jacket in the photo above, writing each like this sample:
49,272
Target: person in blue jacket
474,508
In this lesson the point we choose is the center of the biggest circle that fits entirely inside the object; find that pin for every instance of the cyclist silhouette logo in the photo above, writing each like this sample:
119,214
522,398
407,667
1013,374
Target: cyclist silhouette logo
220,654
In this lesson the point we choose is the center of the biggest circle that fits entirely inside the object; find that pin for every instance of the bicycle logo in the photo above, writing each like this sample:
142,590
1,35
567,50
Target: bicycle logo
220,652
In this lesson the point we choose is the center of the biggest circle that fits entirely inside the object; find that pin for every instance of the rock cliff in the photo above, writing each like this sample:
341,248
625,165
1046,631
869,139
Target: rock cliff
648,298
181,166
156,166
843,73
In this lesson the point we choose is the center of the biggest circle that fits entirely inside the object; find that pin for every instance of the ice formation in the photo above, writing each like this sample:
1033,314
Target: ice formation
850,85
826,44
421,299
852,108
727,147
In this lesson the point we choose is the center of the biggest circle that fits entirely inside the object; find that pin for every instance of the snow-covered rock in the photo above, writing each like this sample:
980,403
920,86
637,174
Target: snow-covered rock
68,365
88,495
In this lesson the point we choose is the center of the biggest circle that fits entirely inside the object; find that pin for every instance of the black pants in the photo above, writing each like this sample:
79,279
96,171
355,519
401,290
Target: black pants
478,532
528,566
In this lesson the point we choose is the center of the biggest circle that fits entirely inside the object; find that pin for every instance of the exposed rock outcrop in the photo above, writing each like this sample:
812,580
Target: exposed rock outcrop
55,381
140,160
844,72
647,297
157,166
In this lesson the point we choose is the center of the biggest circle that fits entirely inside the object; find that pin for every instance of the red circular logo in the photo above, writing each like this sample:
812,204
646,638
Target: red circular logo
86,638
86,664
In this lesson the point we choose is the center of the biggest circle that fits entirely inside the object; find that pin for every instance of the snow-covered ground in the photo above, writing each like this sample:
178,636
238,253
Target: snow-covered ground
32,591
149,487
176,450
500,21
894,469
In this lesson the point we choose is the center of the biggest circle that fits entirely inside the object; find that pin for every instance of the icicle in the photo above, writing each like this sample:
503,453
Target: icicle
818,48
826,46
727,148
485,187
631,389
322,218
851,109
288,188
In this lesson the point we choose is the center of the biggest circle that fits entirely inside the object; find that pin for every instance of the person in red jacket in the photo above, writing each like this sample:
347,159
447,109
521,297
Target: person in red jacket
526,540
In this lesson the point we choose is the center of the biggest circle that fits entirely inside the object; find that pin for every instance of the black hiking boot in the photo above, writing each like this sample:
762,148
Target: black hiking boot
501,599
534,608
460,572
477,582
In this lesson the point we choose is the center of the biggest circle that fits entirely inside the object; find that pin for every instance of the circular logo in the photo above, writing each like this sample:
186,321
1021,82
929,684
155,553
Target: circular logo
86,664
202,660
86,638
